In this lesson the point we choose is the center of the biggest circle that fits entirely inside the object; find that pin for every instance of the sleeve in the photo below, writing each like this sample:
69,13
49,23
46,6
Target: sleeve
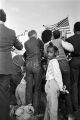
57,74
18,45
47,86
49,75
67,46
17,96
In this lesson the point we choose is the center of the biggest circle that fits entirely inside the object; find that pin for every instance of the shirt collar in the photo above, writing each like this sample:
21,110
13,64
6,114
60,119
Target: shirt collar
1,22
23,81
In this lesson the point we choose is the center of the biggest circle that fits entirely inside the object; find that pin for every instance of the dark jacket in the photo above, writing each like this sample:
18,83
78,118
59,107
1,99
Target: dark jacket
34,52
34,47
75,41
7,41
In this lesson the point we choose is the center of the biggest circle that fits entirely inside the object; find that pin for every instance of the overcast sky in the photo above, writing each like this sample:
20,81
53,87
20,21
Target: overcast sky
33,14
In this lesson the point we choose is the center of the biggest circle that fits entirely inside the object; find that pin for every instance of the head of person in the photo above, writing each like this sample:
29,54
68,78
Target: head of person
2,15
52,51
46,36
77,27
32,33
56,34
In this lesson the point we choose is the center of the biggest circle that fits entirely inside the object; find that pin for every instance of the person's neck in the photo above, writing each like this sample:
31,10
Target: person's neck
33,36
51,58
1,22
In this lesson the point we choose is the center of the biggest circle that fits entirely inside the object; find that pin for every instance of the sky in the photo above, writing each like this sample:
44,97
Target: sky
33,14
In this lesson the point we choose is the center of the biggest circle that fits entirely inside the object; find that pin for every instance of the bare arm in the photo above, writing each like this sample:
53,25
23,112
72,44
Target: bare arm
67,46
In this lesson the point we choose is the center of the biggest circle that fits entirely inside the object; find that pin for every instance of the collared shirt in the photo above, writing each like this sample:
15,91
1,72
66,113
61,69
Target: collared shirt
23,81
54,73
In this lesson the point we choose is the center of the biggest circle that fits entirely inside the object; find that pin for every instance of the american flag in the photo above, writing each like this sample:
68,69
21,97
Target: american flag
61,25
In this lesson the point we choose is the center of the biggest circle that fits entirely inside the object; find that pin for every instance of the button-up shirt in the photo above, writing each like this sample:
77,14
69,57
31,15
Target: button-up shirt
54,73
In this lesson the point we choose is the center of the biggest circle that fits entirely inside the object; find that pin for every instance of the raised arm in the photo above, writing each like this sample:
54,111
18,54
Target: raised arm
67,46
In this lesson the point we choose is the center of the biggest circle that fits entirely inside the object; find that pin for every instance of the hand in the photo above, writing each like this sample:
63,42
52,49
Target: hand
64,90
12,110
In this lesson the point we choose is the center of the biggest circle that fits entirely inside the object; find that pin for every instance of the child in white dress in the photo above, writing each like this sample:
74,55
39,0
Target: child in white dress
53,84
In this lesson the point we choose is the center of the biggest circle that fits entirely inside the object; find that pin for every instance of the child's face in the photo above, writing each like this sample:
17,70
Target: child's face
50,53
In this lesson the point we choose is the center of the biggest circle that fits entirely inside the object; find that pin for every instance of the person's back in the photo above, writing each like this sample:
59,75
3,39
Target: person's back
75,41
57,43
7,41
6,38
33,48
75,64
34,51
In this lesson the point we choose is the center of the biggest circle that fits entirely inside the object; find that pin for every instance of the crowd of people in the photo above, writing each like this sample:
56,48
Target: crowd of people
44,72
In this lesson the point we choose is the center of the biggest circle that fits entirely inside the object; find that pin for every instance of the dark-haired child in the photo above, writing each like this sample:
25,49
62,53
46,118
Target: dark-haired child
53,84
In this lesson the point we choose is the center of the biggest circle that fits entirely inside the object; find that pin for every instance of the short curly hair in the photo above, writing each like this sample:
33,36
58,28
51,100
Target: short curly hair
46,36
56,34
2,15
51,45
76,27
32,32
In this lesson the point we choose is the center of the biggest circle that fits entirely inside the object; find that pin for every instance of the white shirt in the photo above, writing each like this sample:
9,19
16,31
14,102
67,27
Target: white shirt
23,81
54,73
13,54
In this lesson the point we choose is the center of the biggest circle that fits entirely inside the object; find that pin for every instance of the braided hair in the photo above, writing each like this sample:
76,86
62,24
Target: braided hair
53,46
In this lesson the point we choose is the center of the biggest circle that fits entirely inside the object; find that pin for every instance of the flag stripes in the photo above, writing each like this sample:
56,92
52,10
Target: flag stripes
62,25
64,28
